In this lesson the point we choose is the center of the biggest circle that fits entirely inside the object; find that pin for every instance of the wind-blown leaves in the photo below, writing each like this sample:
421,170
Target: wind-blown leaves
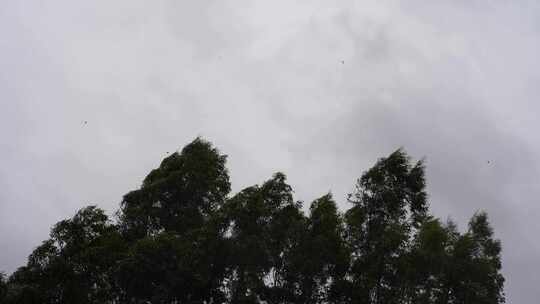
180,238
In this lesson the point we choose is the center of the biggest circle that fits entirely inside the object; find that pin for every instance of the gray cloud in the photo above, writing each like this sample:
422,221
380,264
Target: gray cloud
318,90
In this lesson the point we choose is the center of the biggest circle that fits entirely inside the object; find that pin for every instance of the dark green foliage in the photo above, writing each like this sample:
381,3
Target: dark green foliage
476,263
74,266
3,287
389,202
180,238
178,196
324,257
265,229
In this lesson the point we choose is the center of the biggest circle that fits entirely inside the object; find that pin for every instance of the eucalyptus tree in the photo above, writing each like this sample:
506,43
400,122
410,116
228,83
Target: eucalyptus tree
182,238
75,265
390,201
171,222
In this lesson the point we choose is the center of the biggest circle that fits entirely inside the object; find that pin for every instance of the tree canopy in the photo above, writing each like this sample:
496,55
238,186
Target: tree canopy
182,237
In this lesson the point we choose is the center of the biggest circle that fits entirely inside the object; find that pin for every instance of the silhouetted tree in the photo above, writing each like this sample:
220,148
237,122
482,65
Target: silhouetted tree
180,195
3,287
74,266
324,257
390,200
475,265
180,238
264,229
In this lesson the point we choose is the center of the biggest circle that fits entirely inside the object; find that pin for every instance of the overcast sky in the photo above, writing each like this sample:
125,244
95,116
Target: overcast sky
316,89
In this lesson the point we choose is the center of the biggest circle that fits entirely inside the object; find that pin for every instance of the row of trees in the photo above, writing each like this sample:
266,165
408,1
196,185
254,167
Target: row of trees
181,238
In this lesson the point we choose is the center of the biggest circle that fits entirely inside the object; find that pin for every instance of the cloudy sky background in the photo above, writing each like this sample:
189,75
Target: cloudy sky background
316,89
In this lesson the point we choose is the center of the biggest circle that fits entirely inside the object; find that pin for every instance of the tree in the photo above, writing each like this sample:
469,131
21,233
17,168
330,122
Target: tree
390,200
426,264
173,226
324,257
264,226
74,265
178,196
476,264
3,287
180,238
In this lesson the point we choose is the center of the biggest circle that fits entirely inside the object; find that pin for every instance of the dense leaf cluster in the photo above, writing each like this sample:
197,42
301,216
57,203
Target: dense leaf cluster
181,238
